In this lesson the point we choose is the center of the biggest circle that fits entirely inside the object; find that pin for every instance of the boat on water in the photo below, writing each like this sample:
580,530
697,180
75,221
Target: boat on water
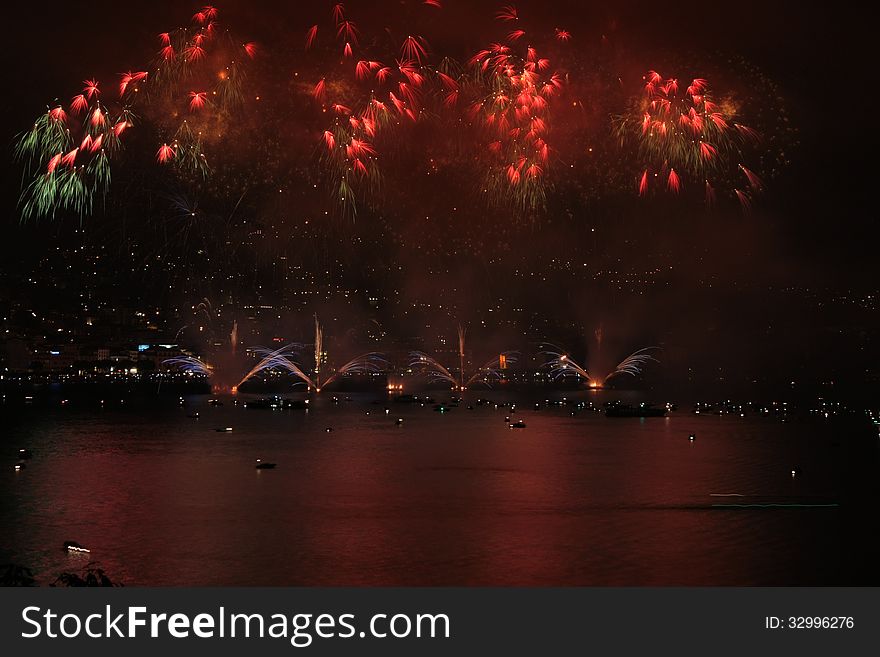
73,546
413,399
277,403
628,410
263,465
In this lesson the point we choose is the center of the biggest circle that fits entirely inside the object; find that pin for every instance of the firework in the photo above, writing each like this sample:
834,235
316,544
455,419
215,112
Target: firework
311,35
489,372
165,154
684,137
189,364
72,182
279,359
284,359
561,365
509,93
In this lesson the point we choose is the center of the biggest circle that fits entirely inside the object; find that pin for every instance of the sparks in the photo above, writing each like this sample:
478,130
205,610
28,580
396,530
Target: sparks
563,35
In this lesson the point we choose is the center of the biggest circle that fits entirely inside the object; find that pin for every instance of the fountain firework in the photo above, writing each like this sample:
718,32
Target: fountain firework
490,370
190,365
562,365
284,359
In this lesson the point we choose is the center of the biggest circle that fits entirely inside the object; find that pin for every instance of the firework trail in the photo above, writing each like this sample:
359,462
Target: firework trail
319,346
492,370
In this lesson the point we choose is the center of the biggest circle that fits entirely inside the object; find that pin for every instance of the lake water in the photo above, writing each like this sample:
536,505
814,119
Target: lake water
455,498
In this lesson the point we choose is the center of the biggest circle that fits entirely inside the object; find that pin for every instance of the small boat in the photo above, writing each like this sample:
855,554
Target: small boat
441,408
73,546
24,454
215,402
626,410
263,465
223,430
194,416
519,424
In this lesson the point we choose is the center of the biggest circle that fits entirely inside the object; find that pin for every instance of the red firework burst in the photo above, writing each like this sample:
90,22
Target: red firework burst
507,13
197,100
70,159
414,48
54,162
165,154
91,88
78,103
311,35
58,114
320,90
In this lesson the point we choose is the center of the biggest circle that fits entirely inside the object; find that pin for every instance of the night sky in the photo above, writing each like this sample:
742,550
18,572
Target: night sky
782,286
